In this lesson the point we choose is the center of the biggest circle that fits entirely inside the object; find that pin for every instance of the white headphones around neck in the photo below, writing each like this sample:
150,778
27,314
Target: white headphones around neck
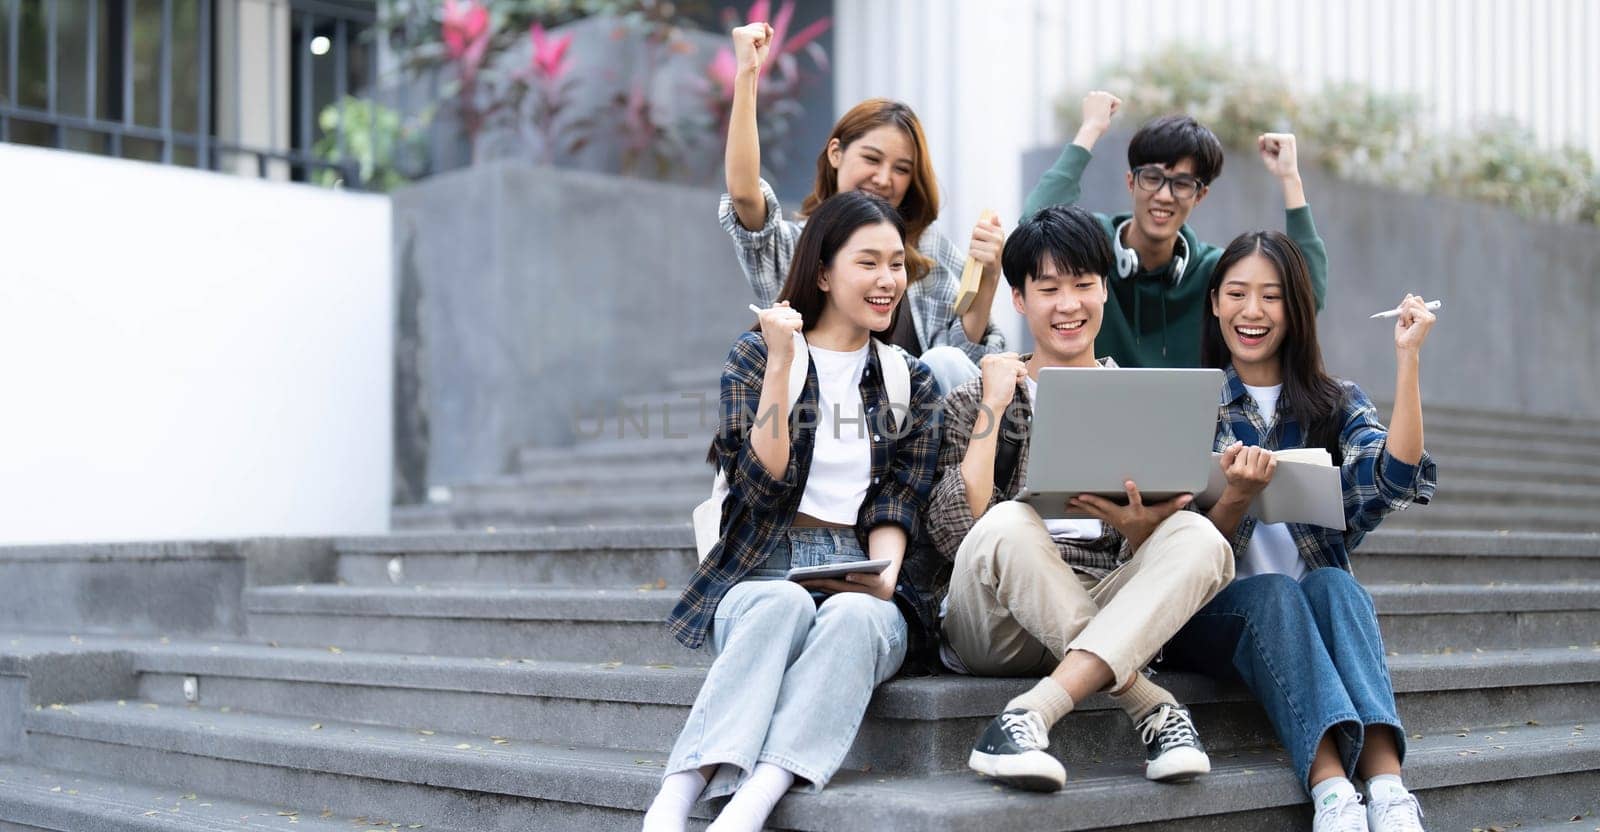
1128,259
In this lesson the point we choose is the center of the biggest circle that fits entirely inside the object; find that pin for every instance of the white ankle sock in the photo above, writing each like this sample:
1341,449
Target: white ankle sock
748,810
1386,786
1334,788
669,812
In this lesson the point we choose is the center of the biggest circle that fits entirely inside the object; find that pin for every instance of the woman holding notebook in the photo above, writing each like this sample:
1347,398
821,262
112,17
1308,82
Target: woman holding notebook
1294,624
878,147
821,469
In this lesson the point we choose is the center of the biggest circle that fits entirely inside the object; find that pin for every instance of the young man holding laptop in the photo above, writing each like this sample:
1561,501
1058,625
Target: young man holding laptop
1086,603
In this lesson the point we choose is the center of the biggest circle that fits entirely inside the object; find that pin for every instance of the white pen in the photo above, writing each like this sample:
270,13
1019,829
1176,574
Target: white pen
755,309
1431,306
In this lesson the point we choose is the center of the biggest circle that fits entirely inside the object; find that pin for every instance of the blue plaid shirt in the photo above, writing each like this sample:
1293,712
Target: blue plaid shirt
1375,483
760,507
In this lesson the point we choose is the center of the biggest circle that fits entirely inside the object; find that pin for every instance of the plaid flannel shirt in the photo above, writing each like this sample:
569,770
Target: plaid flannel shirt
1375,483
760,508
947,517
764,255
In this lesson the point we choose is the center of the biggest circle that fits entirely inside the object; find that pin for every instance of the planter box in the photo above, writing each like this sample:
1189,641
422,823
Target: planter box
528,293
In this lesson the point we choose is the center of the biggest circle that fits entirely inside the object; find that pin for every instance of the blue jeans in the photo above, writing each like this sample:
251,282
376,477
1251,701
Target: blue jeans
792,677
950,366
1311,653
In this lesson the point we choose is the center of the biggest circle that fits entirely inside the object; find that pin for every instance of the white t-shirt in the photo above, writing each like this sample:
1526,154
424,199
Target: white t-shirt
1271,549
841,460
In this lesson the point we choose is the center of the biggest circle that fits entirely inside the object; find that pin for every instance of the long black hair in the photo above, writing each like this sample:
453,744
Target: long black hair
826,231
1310,396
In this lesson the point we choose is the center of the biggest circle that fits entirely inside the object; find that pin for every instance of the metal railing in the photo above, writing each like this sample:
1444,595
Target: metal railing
281,39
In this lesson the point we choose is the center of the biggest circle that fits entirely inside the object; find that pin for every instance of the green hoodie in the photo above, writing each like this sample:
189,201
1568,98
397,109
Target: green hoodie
1149,321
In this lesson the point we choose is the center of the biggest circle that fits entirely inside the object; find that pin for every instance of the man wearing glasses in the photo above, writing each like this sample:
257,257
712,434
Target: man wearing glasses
1158,283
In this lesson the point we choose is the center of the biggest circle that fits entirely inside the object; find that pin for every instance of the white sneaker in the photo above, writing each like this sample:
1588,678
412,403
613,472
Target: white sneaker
1340,813
1395,813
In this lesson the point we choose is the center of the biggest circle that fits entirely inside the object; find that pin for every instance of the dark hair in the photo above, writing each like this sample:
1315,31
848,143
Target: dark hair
1310,396
920,206
1169,140
826,231
1067,234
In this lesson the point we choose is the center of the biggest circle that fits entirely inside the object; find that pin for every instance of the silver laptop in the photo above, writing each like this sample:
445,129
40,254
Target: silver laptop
1094,428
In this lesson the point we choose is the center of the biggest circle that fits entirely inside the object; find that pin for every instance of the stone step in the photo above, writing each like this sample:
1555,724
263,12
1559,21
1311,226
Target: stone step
1445,515
1392,555
626,555
1469,503
34,798
601,625
469,782
589,510
644,555
536,622
912,725
633,450
616,490
690,399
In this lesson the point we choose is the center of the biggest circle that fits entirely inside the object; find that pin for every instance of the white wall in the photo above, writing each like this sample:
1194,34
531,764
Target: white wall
189,354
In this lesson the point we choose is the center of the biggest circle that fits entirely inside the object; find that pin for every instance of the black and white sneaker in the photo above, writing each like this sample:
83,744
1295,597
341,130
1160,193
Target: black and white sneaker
1011,750
1172,749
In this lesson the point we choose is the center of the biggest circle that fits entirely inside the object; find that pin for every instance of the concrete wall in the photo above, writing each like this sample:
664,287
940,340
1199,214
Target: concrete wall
1520,297
528,293
188,354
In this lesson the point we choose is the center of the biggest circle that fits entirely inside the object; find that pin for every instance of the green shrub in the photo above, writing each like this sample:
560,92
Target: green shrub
1356,133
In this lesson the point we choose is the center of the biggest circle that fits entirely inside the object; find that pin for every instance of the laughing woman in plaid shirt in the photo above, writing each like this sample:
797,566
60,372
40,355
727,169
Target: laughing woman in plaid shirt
839,479
1294,624
877,147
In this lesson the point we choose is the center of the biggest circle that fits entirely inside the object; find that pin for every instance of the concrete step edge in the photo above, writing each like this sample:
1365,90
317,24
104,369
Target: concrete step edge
924,698
69,801
627,780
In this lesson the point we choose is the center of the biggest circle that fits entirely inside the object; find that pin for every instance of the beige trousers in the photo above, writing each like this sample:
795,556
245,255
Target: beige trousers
1015,607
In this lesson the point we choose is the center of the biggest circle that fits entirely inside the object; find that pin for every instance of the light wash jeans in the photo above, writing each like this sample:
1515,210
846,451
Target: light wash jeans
1311,653
792,677
950,366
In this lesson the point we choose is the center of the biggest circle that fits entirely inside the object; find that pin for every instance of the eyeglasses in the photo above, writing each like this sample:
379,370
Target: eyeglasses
1153,179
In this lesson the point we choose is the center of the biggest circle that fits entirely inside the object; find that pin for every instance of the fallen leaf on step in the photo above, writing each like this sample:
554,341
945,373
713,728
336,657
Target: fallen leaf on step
335,650
464,746
611,665
500,740
1532,722
191,797
316,726
327,813
660,666
288,814
56,789
425,732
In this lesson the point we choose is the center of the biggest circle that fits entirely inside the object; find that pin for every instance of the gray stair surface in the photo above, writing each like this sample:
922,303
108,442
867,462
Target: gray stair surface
645,460
503,665
43,799
468,781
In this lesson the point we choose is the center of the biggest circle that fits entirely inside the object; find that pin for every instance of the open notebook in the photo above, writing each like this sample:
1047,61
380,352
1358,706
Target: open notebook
1305,488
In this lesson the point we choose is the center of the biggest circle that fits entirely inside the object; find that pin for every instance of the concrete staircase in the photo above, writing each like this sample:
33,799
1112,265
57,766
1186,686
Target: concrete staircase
479,681
645,462
522,681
